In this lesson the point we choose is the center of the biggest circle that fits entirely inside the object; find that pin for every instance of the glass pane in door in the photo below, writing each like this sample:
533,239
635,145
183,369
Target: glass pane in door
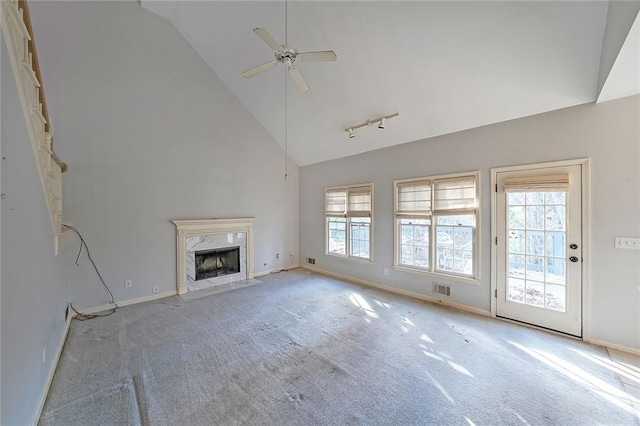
536,229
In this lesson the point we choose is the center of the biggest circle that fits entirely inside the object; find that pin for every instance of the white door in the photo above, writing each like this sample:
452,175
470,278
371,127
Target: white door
539,247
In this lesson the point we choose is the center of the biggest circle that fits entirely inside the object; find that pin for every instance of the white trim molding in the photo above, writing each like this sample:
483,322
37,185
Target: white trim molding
396,290
276,271
52,369
609,345
121,304
193,227
584,163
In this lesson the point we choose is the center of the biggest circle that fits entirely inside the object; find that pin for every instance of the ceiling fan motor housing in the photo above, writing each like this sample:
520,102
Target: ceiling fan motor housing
286,56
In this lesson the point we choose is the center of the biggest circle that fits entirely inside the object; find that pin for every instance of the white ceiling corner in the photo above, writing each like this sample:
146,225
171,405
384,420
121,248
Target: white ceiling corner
445,66
624,78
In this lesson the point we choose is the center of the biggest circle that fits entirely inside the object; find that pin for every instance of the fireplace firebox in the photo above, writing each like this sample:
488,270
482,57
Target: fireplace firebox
217,262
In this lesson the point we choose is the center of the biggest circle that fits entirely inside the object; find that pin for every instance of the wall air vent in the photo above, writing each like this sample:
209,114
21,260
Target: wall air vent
441,289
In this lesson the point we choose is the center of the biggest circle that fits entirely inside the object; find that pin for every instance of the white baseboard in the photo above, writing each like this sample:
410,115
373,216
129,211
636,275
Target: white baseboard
273,271
621,348
108,306
396,290
593,341
52,369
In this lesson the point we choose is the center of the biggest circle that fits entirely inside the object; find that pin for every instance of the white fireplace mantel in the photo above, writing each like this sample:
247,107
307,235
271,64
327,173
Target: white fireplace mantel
192,227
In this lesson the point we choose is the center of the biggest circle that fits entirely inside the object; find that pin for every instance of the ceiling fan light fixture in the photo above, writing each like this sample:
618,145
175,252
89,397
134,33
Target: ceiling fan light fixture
288,57
352,133
383,123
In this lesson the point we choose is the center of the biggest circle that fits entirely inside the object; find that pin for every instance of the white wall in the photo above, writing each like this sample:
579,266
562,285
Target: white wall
151,134
608,133
34,292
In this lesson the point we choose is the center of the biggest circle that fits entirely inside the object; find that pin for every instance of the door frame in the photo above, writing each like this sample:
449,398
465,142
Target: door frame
586,234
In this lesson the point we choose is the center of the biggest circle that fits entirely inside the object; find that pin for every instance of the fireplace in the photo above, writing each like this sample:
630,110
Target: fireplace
217,262
204,252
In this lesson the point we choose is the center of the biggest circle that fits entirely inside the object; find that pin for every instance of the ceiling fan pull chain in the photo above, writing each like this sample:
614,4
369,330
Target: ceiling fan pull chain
286,128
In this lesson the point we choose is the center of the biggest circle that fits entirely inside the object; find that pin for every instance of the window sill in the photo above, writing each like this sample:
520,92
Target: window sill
352,259
468,280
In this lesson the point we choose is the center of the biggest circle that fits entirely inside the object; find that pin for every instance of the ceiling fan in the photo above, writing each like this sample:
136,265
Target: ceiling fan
288,56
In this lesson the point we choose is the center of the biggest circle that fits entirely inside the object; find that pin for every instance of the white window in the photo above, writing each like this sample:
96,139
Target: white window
436,221
349,221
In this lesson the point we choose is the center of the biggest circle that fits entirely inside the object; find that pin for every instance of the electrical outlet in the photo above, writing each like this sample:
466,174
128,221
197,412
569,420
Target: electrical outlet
44,354
128,284
311,260
386,271
627,243
156,290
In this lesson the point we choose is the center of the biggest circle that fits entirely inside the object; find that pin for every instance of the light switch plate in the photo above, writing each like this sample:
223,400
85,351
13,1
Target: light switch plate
627,243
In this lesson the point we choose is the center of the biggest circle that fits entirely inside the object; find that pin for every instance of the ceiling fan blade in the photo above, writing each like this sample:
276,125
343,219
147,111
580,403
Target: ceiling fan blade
298,79
260,68
323,56
267,38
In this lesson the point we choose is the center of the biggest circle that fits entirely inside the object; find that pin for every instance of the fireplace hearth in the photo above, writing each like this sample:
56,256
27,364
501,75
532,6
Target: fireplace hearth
217,262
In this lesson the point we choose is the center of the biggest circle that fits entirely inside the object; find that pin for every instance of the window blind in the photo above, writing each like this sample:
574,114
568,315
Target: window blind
414,198
455,195
359,201
336,202
556,182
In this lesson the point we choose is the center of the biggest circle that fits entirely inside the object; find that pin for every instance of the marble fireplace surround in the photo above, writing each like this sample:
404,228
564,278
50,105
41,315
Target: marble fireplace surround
204,227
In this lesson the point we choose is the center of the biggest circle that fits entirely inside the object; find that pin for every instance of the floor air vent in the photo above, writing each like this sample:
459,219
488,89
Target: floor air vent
442,289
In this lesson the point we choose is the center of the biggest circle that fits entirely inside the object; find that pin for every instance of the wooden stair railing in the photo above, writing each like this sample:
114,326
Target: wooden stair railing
18,36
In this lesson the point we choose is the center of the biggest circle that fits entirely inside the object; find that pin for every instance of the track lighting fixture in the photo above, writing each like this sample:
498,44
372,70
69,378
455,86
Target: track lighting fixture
382,124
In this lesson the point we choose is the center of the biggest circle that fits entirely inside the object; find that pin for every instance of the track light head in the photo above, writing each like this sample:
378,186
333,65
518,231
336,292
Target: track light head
381,121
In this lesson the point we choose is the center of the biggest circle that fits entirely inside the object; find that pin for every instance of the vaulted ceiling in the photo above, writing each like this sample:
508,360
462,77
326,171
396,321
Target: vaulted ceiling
444,66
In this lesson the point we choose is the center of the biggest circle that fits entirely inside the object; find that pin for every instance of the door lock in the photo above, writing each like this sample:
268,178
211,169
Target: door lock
573,259
573,246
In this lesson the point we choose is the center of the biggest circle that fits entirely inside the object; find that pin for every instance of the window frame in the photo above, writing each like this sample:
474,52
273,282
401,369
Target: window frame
433,219
346,214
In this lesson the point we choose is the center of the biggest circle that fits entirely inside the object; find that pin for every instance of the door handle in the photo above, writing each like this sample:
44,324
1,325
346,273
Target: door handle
573,259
